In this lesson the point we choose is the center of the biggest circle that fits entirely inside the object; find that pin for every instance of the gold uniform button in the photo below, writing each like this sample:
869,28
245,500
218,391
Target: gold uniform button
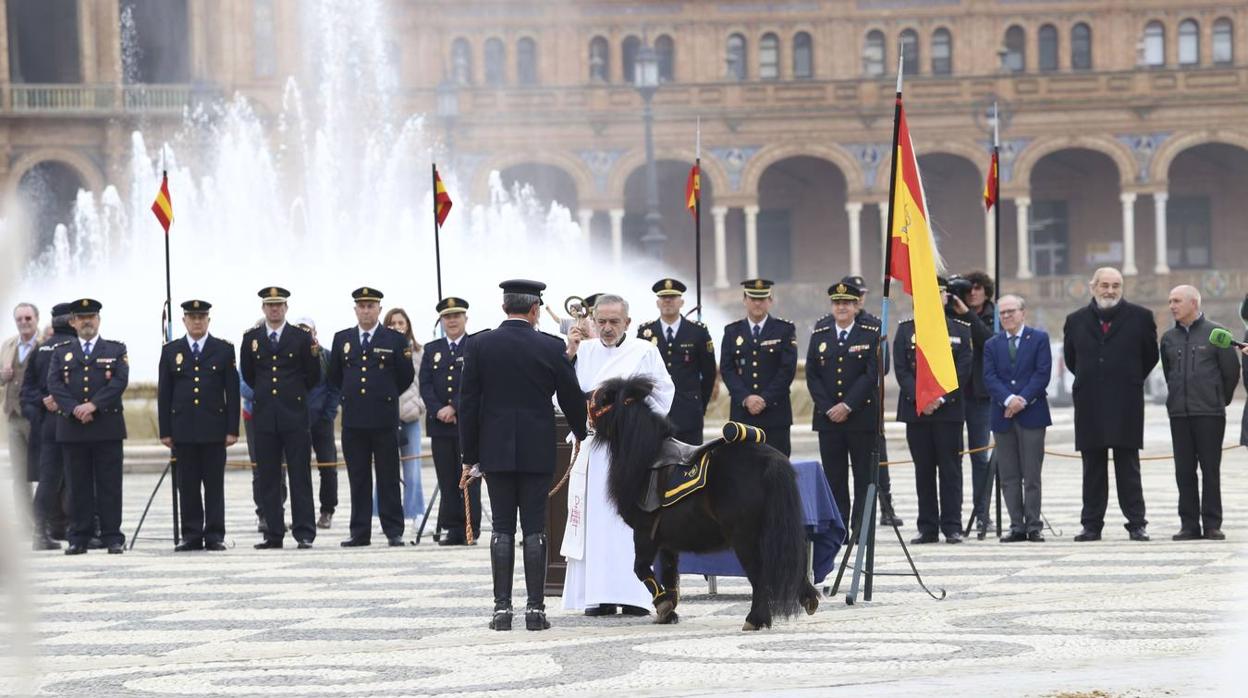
756,375
364,368
275,368
840,358
275,391
755,363
450,378
838,382
450,390
363,379
274,379
196,401
362,391
196,379
196,390
86,390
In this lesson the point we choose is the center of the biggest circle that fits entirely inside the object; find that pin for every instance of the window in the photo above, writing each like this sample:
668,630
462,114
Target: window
1049,226
1188,232
873,54
736,57
599,60
526,61
1189,42
803,56
910,52
1223,42
1015,49
495,56
1081,47
775,244
666,50
1048,47
461,62
769,57
628,58
264,46
942,52
1154,44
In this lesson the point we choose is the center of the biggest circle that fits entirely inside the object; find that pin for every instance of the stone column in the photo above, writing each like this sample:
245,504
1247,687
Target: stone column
885,233
88,61
1022,206
719,213
853,209
586,218
617,235
1159,226
1128,234
751,242
990,241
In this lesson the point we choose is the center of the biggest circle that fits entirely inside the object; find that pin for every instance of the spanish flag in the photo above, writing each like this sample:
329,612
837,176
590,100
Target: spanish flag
693,190
441,200
991,186
163,205
913,263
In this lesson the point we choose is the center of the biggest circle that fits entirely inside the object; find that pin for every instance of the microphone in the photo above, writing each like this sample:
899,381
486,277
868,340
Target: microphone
1222,339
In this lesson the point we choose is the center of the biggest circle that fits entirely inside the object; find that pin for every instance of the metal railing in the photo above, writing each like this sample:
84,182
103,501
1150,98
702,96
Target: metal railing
101,99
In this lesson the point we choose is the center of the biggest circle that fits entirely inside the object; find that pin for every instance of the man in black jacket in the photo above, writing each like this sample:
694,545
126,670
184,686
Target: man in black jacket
976,307
40,409
507,431
371,365
1111,346
689,351
197,408
758,361
281,364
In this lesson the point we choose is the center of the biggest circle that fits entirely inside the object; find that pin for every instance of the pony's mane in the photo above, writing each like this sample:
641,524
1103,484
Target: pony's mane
633,434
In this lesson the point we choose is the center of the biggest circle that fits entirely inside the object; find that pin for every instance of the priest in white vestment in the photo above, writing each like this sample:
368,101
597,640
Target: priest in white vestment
597,543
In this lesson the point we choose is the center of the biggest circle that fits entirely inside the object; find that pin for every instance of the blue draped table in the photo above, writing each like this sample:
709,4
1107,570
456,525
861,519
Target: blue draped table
825,529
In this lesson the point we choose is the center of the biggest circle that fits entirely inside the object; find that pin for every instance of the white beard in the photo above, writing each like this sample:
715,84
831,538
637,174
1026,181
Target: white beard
1106,305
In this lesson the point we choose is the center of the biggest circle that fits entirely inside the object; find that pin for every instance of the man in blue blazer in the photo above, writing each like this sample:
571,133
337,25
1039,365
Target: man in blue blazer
1017,365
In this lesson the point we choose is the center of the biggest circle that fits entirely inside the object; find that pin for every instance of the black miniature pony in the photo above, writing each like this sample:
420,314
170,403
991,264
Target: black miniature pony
749,503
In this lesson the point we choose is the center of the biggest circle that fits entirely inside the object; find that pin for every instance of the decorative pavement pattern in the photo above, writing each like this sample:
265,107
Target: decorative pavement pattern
1058,618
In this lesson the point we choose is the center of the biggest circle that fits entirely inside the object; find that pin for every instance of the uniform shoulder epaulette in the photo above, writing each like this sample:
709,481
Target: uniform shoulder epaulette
223,339
964,322
868,327
58,344
555,337
909,319
474,334
819,329
113,341
699,323
787,322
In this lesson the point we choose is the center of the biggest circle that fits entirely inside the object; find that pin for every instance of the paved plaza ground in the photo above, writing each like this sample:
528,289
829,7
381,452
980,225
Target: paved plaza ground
1113,618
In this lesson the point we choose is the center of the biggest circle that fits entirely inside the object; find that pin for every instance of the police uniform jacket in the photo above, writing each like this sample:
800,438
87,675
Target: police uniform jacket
74,379
765,368
691,363
35,382
371,381
441,377
846,372
197,399
904,348
280,378
506,421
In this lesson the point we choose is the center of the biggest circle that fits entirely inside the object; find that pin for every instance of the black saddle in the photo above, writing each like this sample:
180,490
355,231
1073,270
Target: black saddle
680,469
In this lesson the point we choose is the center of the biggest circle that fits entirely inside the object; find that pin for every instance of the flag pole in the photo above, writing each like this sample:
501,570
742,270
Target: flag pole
996,273
173,455
697,220
437,236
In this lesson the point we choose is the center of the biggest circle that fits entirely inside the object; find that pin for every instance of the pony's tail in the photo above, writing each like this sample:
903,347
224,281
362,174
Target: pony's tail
783,539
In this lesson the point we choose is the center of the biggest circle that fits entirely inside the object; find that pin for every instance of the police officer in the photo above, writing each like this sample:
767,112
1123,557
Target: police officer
888,514
842,373
934,431
687,348
507,431
40,408
441,379
87,377
758,362
371,365
323,403
281,364
198,410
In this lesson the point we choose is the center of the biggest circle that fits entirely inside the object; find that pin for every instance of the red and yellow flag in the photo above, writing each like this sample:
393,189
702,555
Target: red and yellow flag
693,190
990,187
163,205
441,200
914,265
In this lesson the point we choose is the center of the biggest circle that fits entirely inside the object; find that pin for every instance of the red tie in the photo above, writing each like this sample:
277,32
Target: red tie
1104,327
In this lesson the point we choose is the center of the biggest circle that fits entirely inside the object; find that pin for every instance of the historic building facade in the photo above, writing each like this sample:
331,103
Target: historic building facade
1122,121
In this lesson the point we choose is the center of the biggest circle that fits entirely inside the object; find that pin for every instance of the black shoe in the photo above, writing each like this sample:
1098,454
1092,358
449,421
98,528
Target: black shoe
1087,535
95,544
925,538
453,538
326,520
955,537
888,516
116,549
502,567
304,544
1214,534
45,543
1014,537
268,545
187,546
501,620
535,619
76,549
634,610
604,609
395,542
214,546
356,543
1139,534
1035,537
1186,534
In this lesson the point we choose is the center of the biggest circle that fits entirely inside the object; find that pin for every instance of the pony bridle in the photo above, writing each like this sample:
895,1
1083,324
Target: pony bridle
596,412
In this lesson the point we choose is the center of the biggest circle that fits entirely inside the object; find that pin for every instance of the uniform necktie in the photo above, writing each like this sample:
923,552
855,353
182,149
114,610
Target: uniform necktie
86,350
195,351
273,340
452,346
1013,348
365,343
671,336
844,335
757,330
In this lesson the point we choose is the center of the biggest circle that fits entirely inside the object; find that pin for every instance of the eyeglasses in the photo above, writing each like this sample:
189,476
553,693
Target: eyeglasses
1007,313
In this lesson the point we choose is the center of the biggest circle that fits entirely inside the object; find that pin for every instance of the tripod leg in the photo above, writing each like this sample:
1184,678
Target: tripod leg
840,572
173,470
421,531
914,569
996,476
864,540
135,536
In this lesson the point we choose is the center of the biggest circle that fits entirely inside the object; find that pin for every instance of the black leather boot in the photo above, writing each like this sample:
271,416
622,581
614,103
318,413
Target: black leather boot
888,517
502,564
535,581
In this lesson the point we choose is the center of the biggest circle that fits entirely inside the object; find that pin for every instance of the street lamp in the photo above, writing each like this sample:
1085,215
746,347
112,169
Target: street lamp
448,112
646,80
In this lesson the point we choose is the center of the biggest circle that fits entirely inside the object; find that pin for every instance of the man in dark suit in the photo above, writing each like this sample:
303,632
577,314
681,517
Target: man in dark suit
1110,345
687,348
441,379
1017,366
758,362
281,364
842,373
507,431
197,410
934,431
371,365
40,408
87,378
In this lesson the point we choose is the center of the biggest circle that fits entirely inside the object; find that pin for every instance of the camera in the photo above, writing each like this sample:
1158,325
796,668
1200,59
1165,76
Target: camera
959,286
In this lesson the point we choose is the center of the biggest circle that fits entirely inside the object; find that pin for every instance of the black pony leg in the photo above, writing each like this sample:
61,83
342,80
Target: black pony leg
645,550
760,613
669,578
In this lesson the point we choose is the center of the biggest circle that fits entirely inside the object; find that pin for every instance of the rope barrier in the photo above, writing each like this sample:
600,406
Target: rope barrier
335,464
1057,454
